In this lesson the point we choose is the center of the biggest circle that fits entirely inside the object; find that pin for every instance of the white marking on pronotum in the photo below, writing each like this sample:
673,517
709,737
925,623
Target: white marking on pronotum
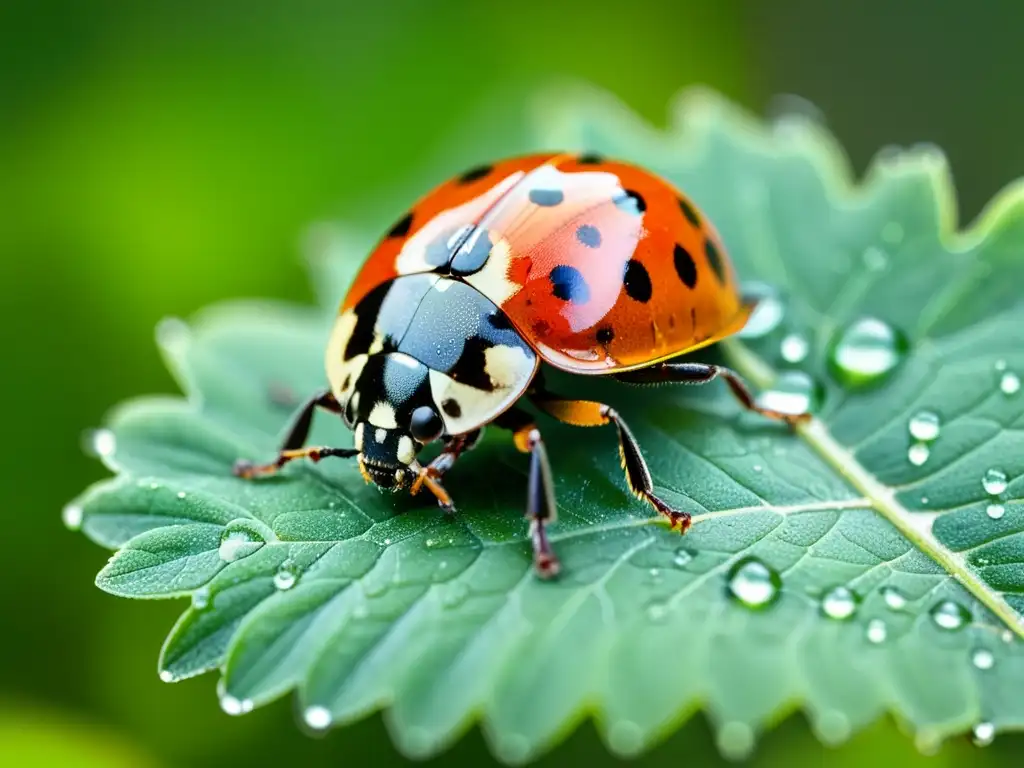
507,366
383,415
380,435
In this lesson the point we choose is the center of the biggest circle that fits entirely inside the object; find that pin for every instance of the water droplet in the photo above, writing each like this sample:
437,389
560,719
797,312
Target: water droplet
655,574
833,727
735,740
894,599
237,542
318,718
166,676
100,443
950,616
995,511
235,706
387,542
994,481
758,468
866,351
839,603
753,583
657,612
626,738
983,659
984,734
876,631
925,426
683,557
918,454
793,392
287,576
1000,365
154,486
201,598
875,259
1009,384
72,516
892,232
1007,636
181,494
794,348
431,543
924,500
767,314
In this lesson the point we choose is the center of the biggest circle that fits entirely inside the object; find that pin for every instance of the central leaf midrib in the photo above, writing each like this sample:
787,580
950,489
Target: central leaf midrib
881,498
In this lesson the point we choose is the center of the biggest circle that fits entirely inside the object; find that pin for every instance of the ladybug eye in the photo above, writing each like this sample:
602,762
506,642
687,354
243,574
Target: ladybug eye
425,424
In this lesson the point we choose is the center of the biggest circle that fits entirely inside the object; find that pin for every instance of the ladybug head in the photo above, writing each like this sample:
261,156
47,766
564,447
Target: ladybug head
387,451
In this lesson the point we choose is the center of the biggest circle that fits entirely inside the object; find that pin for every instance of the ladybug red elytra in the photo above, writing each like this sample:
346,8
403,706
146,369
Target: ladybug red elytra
593,266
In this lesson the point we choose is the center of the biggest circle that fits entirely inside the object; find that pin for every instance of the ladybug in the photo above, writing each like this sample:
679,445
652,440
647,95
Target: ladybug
592,266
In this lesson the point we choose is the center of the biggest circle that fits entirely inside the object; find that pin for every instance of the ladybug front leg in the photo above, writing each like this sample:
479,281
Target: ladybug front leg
701,373
435,470
541,508
586,413
292,448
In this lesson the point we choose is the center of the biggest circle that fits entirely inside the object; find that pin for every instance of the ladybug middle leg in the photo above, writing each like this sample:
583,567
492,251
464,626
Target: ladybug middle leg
540,499
292,448
701,373
587,413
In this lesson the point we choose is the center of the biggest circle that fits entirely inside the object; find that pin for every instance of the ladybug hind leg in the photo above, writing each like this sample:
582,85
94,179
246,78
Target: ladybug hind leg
701,373
291,448
586,413
540,497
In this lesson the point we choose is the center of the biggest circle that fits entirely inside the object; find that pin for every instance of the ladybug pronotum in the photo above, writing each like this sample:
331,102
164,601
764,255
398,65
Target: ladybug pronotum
592,266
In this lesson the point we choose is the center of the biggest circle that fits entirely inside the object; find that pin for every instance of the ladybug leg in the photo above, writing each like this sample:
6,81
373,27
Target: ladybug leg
586,413
541,508
701,373
441,463
292,448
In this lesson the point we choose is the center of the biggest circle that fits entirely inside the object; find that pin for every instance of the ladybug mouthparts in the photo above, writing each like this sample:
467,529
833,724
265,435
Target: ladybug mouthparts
392,476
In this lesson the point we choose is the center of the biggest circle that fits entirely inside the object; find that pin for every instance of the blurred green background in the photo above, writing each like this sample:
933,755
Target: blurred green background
159,156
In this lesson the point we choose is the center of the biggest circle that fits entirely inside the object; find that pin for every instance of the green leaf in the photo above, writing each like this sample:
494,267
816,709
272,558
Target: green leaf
840,570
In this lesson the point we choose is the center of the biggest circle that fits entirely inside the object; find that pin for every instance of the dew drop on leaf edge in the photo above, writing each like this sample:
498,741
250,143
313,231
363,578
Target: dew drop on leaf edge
201,598
753,584
983,734
924,426
950,616
994,481
72,516
866,351
995,511
237,542
839,603
318,718
286,577
100,443
793,392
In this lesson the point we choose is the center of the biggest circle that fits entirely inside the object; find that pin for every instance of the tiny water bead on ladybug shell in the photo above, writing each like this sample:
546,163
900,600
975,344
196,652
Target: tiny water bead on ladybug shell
591,266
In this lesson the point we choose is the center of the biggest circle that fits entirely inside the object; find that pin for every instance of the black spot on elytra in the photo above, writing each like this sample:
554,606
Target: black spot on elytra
472,253
605,334
630,202
589,235
636,281
475,174
452,408
715,260
471,367
590,158
402,226
546,197
567,284
346,382
685,266
689,212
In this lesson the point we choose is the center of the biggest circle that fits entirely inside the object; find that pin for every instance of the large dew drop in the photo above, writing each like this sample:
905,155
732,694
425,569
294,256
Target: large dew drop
839,603
287,576
237,542
767,314
994,481
866,351
794,348
894,599
918,454
983,659
794,392
876,631
950,616
1009,384
984,734
924,426
753,583
318,718
72,516
995,511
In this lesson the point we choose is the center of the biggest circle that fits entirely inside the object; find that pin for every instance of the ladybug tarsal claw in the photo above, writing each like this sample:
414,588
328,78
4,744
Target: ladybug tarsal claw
243,468
546,565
